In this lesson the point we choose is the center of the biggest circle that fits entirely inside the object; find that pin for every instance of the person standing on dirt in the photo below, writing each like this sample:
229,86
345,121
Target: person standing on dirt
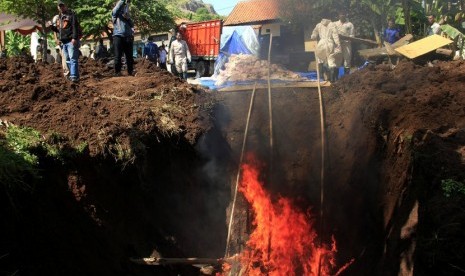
58,58
328,49
392,33
345,28
100,50
67,28
179,51
123,36
173,38
434,27
151,51
163,55
54,26
49,58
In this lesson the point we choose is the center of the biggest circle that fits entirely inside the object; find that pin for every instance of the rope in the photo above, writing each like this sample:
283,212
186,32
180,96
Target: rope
270,107
270,114
323,147
231,219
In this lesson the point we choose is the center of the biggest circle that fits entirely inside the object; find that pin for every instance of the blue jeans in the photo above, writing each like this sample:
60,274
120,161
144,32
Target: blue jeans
71,55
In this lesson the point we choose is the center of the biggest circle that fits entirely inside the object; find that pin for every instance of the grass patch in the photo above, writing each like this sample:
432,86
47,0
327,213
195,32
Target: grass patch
451,187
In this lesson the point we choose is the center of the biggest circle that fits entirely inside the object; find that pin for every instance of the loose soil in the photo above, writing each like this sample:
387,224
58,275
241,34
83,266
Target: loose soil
393,136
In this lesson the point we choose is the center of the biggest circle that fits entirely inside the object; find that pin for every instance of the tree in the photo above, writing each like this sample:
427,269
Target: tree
39,10
148,16
202,14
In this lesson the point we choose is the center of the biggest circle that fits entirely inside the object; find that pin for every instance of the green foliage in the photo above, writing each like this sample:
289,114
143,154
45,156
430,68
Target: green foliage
21,140
202,14
94,16
14,169
451,31
17,163
451,187
151,16
82,147
16,42
148,16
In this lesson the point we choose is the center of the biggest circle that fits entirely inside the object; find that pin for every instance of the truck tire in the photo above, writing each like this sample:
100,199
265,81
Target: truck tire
202,68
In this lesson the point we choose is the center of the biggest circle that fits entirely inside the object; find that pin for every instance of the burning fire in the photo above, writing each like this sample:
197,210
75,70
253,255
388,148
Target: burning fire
283,241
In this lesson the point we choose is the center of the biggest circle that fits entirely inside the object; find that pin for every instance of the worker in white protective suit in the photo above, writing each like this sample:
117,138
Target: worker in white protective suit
328,49
345,28
179,51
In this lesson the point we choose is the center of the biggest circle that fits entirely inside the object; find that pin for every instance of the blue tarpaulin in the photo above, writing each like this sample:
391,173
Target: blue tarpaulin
234,41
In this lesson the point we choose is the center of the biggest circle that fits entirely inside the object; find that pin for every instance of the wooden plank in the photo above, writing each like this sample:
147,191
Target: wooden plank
369,53
359,40
176,261
423,46
303,84
403,41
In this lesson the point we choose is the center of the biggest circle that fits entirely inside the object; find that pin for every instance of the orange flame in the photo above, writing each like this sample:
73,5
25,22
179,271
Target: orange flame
283,241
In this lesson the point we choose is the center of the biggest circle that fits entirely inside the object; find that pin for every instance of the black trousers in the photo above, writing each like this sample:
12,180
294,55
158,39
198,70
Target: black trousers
123,45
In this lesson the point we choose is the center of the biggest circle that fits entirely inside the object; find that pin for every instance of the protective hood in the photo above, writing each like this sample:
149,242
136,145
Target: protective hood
325,22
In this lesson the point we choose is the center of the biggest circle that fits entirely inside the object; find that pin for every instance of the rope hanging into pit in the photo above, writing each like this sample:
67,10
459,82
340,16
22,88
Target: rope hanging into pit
323,150
270,114
244,141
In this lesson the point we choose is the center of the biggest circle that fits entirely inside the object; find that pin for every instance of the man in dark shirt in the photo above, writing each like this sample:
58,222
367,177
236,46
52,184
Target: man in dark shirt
151,51
123,36
68,33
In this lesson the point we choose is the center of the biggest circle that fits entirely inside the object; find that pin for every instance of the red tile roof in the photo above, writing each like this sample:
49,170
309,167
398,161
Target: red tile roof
252,12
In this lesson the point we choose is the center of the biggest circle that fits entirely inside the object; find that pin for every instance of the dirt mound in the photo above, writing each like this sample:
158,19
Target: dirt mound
111,114
397,142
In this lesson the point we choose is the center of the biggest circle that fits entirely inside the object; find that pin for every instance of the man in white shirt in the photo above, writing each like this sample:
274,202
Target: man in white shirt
434,27
345,28
180,52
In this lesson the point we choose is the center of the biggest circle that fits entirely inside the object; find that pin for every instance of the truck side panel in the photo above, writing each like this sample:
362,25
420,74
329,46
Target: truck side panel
203,39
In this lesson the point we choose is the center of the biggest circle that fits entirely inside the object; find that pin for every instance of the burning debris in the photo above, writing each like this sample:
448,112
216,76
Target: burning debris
283,241
248,67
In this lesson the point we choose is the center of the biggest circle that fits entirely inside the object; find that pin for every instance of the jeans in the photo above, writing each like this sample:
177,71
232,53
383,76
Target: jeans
71,55
123,45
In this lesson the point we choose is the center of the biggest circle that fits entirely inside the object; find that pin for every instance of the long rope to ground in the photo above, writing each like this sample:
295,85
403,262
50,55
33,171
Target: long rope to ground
323,150
270,114
244,141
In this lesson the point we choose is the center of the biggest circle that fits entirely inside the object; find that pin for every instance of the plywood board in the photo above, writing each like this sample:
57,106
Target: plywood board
423,46
303,84
310,46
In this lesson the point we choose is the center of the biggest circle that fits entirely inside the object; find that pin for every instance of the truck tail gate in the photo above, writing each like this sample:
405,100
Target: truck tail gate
203,38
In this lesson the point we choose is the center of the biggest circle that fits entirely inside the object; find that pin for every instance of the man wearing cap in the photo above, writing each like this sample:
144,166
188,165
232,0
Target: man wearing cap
123,37
180,55
67,28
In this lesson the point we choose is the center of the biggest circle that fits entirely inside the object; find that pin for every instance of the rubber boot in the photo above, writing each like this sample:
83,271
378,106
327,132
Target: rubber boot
336,73
331,75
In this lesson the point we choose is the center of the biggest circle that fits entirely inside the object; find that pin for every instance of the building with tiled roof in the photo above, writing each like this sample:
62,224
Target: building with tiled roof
253,12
